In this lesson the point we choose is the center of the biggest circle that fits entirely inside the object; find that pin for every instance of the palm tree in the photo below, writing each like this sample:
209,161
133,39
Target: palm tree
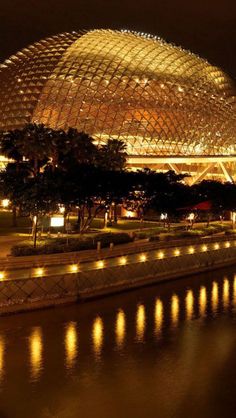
82,146
9,145
113,155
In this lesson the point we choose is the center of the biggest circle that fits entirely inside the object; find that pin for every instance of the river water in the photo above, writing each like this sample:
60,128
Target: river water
166,351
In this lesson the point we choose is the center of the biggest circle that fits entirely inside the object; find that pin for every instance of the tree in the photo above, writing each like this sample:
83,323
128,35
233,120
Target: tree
35,196
112,155
153,190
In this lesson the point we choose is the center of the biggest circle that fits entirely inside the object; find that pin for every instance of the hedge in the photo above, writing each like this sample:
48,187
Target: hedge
59,245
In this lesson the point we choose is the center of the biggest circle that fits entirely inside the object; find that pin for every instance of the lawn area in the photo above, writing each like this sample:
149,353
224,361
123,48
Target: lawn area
6,228
24,224
126,224
123,225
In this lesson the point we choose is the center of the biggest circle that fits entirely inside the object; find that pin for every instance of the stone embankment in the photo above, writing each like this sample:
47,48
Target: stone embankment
41,281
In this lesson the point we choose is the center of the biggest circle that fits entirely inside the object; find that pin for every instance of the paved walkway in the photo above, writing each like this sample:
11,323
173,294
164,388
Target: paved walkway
6,242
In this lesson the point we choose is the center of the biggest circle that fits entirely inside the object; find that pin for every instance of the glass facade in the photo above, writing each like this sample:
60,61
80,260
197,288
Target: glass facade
160,99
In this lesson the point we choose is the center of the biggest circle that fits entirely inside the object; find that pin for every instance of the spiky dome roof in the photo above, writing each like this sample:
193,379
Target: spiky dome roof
158,98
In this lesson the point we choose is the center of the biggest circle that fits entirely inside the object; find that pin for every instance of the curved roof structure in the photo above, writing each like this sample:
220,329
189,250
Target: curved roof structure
160,99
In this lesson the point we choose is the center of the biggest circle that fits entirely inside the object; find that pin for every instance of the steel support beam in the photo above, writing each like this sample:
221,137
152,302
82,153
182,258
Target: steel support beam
201,175
226,173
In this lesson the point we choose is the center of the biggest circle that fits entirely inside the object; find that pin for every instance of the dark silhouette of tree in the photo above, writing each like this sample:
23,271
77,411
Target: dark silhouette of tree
112,155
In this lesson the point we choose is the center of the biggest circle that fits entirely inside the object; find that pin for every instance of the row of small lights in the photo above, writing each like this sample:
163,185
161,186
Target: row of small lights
100,264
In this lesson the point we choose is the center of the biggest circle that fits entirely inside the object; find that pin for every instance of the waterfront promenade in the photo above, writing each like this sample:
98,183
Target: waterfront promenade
47,280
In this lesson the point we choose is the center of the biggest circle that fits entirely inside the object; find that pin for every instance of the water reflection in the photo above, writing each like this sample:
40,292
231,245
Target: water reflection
214,297
97,336
234,291
36,351
189,304
158,316
174,310
226,293
140,323
202,301
71,344
2,353
120,328
162,309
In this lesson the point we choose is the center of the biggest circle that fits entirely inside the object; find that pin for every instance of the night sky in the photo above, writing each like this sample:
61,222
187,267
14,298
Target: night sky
206,27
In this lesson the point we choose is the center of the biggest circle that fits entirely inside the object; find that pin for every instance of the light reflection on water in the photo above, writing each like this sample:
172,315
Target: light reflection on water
214,297
105,331
120,328
36,350
202,301
97,336
189,304
158,316
140,323
71,344
2,353
175,310
226,293
234,291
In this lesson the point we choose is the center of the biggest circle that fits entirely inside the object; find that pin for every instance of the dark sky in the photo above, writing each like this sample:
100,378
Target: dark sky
206,27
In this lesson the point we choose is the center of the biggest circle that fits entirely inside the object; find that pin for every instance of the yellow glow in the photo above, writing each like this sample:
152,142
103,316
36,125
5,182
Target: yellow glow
57,221
100,264
143,257
140,322
130,214
160,254
166,133
2,352
189,304
71,344
74,268
216,246
204,247
120,328
226,293
36,350
191,250
214,296
123,261
2,275
174,309
158,316
227,244
202,301
177,252
97,336
5,203
39,272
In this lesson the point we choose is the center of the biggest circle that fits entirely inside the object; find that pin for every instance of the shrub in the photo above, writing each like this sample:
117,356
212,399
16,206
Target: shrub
59,245
154,238
168,237
192,233
148,233
230,231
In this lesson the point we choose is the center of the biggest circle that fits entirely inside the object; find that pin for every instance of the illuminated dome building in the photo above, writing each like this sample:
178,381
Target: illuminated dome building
173,109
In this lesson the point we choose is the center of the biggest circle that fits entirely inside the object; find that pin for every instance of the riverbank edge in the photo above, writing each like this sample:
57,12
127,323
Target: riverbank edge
111,289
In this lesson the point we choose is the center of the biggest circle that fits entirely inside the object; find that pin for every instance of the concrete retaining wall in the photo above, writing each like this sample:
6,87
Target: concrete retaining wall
38,292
